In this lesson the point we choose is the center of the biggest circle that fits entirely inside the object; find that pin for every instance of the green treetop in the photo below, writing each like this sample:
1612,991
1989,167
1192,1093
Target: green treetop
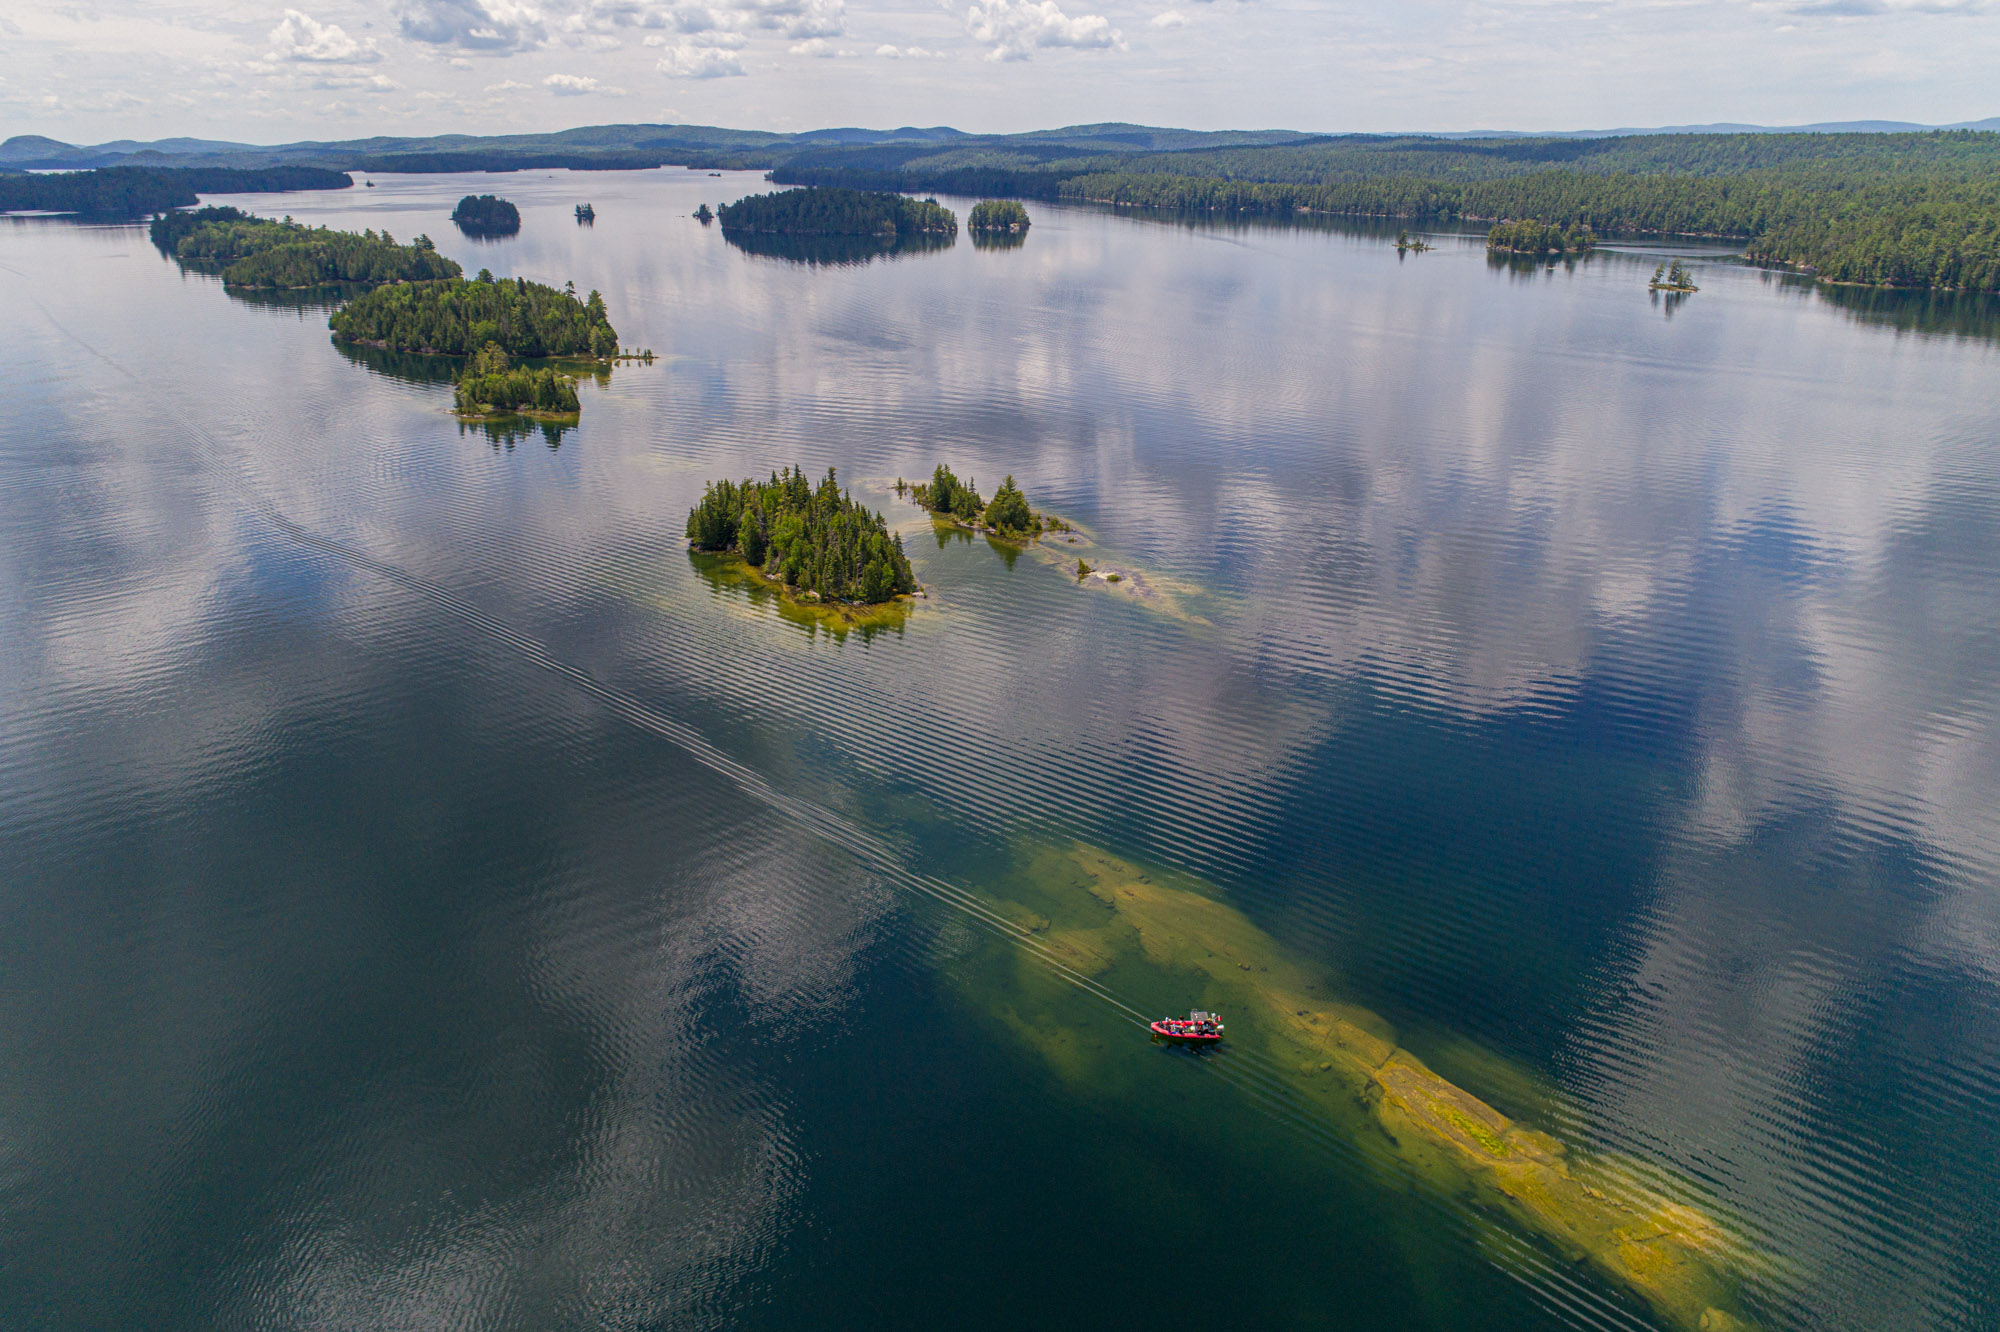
815,539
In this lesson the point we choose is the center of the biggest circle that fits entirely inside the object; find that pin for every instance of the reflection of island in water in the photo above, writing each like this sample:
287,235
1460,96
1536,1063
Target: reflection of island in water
1960,314
434,371
729,574
291,300
505,432
999,240
834,251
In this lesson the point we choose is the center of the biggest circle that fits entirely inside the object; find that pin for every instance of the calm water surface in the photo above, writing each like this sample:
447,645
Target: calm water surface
427,901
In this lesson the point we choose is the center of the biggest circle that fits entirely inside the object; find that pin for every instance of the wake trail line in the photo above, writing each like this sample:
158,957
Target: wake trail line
876,854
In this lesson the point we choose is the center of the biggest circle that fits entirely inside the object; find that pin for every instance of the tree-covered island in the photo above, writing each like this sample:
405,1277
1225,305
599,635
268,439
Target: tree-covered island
1007,514
1672,278
460,316
491,388
814,540
830,211
1535,239
997,215
486,215
252,251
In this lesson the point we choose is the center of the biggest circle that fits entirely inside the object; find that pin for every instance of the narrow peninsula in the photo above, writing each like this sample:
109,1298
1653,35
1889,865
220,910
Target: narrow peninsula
814,542
251,251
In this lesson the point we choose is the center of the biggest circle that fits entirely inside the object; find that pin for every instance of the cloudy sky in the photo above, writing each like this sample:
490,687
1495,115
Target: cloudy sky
101,69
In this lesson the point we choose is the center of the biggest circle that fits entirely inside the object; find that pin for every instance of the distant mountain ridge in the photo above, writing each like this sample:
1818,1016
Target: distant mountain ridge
455,151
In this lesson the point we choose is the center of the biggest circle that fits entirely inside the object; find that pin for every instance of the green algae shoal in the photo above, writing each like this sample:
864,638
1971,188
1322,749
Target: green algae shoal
728,569
1062,546
1097,914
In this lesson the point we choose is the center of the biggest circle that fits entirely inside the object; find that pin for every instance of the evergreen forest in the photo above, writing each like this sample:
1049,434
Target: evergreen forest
838,212
119,192
459,316
946,496
486,215
259,252
814,539
1917,209
492,386
1905,209
997,215
1536,239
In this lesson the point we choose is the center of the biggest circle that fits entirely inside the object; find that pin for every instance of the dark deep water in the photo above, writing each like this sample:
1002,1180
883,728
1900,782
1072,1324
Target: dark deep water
426,901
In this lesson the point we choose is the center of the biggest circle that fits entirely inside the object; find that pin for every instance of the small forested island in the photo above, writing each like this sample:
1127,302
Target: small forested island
828,211
460,316
1007,514
704,214
491,388
815,540
585,213
486,215
1002,215
1535,238
258,252
1405,243
1672,278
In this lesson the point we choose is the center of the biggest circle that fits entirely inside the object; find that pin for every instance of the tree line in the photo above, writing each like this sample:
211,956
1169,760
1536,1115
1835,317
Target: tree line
944,494
260,252
815,539
997,215
1536,238
458,316
838,212
119,192
1909,210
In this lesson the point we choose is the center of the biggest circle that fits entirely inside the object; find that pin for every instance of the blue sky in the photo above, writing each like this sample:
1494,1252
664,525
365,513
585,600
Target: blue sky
345,68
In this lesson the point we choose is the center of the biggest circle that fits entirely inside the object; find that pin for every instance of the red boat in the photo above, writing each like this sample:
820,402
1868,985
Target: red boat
1197,1028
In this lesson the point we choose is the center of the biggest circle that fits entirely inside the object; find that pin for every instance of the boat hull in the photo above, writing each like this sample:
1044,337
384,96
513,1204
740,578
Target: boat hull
1166,1033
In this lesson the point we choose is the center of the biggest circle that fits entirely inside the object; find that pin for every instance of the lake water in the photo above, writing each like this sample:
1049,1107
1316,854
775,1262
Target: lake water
428,900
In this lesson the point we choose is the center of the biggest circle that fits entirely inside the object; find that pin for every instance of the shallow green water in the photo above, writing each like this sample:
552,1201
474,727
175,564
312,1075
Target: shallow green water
430,902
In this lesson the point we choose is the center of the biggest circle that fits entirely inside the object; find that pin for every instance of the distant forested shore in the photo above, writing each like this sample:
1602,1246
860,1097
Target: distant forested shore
1908,209
1905,210
120,192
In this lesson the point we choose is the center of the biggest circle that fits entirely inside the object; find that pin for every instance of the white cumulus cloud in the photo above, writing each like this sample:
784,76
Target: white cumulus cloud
494,26
794,18
1168,18
301,37
889,52
577,85
1013,29
689,60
